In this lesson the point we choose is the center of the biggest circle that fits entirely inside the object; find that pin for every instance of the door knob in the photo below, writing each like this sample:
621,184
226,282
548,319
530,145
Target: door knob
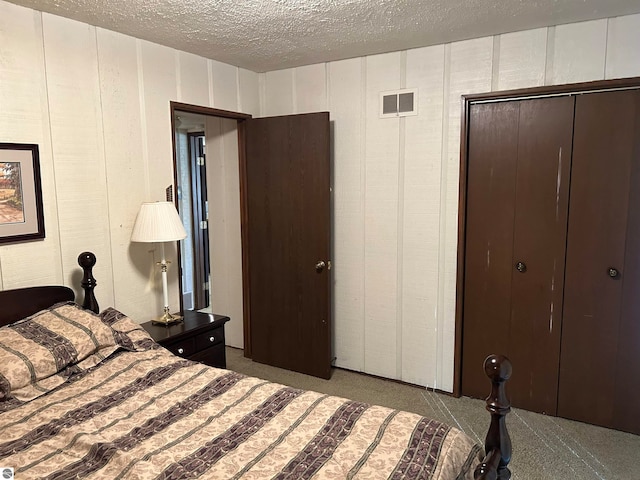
521,267
320,266
613,272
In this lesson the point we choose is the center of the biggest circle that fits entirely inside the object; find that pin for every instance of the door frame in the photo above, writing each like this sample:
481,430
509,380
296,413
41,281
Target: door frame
502,96
242,164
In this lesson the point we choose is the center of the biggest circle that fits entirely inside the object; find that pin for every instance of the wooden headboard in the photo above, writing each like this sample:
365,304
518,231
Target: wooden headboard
22,302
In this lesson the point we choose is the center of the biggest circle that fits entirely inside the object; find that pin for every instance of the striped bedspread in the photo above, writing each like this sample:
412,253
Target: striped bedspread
150,414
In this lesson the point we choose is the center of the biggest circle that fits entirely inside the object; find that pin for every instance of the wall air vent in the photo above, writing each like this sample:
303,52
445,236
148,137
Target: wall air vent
399,103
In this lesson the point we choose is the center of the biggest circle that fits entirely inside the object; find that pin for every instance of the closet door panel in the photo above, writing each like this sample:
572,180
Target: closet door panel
626,413
540,226
491,173
605,127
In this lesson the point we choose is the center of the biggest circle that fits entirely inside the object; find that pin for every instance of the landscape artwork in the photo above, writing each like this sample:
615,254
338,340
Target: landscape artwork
21,209
11,206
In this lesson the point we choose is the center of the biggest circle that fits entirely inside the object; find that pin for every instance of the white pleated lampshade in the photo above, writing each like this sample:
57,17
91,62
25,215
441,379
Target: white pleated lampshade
157,222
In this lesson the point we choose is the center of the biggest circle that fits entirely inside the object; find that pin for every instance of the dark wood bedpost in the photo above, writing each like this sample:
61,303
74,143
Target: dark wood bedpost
87,260
498,443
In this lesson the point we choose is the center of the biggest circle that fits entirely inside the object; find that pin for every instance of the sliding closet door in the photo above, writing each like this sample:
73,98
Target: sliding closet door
600,364
517,199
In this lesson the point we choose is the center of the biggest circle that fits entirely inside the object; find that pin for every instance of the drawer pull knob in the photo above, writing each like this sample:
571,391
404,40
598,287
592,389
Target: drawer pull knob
181,351
212,339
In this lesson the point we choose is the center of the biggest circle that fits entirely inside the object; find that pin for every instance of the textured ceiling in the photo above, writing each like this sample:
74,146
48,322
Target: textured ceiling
264,35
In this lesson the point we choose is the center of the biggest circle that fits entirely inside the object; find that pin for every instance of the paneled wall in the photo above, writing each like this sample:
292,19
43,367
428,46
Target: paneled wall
396,180
97,104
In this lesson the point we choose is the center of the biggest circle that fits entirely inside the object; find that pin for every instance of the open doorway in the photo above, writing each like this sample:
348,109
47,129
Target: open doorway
207,179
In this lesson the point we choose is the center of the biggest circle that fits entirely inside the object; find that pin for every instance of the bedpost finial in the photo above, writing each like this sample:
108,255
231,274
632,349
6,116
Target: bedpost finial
497,368
86,260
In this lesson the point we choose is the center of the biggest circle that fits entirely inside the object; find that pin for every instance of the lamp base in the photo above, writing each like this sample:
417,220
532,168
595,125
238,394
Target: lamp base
167,318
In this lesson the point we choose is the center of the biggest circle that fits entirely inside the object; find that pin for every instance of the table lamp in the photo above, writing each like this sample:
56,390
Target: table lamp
159,222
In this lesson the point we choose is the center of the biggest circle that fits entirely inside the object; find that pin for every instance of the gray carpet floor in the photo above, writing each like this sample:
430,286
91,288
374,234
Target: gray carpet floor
543,447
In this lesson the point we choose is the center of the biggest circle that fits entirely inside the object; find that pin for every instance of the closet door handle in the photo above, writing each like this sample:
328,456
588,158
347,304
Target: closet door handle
521,267
613,272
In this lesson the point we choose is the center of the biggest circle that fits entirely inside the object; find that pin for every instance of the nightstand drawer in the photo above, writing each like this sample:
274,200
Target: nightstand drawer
184,348
199,337
214,356
209,339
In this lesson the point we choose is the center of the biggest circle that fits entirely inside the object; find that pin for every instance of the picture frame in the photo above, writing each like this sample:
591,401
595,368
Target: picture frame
21,213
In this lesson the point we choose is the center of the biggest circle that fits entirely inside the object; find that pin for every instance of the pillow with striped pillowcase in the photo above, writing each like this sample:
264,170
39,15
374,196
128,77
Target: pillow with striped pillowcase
40,352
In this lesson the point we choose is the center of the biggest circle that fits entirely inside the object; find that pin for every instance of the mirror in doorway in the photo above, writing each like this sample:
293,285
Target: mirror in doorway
193,207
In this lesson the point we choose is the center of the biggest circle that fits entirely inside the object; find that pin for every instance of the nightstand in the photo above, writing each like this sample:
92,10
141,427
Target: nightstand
199,337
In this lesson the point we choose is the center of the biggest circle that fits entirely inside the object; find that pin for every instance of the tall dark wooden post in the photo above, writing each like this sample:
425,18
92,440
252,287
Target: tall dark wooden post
498,443
87,260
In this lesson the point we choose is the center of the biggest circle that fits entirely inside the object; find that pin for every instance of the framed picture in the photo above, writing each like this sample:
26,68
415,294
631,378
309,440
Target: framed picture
21,216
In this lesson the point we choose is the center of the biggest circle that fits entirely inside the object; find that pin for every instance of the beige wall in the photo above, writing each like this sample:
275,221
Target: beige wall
396,180
97,104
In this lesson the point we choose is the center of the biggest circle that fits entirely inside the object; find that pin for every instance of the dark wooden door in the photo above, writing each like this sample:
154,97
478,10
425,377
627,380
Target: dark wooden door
600,363
288,204
491,182
519,161
540,228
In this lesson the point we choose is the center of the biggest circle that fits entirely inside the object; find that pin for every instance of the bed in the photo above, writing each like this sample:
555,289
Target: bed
90,395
